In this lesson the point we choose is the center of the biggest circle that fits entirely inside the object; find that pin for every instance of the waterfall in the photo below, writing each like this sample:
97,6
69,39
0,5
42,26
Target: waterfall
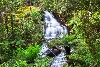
53,29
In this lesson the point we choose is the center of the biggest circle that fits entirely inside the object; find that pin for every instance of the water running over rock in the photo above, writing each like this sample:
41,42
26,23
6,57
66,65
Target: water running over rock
59,60
44,49
53,29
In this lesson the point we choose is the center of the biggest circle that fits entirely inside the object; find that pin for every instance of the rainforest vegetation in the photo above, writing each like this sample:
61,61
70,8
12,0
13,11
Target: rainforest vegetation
21,33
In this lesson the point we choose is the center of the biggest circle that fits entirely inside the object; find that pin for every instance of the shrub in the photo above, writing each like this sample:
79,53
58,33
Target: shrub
5,52
66,40
20,63
14,63
42,62
29,54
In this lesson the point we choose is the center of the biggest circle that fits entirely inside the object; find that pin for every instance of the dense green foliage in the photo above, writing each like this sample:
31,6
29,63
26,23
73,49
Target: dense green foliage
21,32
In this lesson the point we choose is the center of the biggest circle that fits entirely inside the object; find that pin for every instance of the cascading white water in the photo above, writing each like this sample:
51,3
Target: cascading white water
53,29
59,60
44,48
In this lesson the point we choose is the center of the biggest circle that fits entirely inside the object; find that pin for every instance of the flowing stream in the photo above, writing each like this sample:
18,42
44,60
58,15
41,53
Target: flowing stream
53,29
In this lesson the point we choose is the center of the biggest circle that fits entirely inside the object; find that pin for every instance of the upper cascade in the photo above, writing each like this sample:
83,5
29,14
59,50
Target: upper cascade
53,28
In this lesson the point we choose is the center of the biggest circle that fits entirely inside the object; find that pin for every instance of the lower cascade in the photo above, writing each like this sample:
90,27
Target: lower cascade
53,29
59,60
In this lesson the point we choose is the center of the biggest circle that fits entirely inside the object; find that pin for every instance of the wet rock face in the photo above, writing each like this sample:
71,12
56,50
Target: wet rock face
52,52
55,51
67,50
